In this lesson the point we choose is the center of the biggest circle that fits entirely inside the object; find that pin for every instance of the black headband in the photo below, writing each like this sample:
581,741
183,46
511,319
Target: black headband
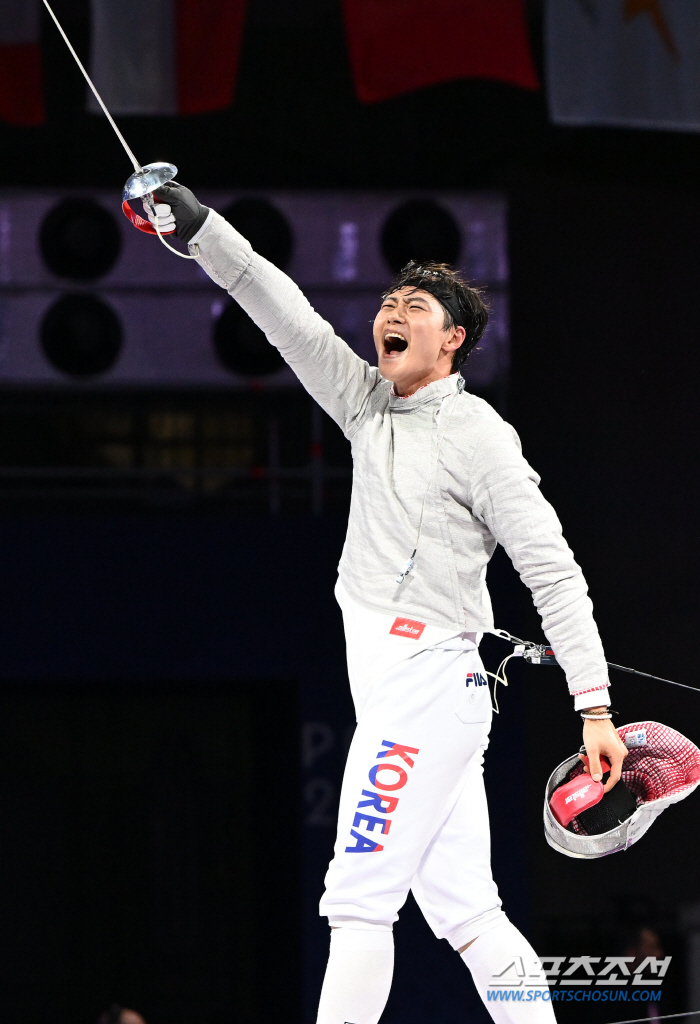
450,302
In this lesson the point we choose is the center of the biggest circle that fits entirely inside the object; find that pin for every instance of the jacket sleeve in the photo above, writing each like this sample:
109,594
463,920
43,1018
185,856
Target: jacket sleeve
506,497
330,371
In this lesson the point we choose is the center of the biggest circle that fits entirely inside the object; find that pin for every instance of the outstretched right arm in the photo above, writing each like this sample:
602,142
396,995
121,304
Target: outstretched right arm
337,378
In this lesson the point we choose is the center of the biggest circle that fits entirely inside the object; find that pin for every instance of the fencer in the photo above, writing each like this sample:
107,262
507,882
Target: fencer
439,480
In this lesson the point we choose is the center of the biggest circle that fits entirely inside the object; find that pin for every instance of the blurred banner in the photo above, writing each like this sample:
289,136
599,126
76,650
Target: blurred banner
397,46
21,95
165,56
633,63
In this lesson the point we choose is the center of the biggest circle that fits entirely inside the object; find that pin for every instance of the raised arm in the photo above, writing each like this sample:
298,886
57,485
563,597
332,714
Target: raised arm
339,380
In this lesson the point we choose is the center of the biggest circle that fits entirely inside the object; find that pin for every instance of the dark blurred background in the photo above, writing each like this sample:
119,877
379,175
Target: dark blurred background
173,700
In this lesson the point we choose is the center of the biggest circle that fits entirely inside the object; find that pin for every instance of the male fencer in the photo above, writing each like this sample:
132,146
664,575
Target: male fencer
439,480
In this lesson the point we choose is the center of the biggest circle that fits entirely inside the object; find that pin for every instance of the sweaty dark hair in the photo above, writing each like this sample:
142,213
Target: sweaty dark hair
464,305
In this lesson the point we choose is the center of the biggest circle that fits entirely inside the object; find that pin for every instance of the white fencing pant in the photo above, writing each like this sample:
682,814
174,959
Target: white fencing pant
413,811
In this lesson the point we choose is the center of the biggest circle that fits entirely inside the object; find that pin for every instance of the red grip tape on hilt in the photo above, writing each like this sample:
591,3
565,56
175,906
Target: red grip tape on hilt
140,222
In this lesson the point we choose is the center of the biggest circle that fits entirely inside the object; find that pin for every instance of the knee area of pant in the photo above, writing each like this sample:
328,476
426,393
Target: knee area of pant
357,924
465,947
465,943
351,934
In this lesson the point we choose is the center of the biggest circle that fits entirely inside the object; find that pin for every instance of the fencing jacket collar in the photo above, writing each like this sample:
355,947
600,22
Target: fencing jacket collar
427,393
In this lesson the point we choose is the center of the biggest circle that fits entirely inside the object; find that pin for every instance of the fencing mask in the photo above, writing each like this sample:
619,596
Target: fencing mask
661,768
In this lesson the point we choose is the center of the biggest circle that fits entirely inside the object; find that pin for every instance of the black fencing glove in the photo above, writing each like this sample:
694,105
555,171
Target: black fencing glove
178,203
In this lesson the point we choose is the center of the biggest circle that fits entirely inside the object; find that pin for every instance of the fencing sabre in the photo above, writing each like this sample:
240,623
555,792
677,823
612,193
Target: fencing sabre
145,180
542,654
665,1016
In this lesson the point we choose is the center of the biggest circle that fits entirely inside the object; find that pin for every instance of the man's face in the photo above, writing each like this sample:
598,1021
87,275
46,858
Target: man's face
412,347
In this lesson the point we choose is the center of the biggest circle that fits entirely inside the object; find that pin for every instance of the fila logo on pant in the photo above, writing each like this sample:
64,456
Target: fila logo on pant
386,777
477,679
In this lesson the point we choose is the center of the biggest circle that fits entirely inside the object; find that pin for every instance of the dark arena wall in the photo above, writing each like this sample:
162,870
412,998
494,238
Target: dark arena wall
198,660
176,544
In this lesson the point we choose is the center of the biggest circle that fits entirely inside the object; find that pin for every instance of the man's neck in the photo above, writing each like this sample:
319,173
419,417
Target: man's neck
406,390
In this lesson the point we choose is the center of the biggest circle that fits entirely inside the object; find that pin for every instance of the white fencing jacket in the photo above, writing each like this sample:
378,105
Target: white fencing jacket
439,471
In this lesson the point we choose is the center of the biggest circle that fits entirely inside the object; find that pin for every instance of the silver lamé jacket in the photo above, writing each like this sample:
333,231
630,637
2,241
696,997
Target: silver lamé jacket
439,471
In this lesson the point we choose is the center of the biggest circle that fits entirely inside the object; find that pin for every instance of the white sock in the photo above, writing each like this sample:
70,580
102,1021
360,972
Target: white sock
358,976
525,1003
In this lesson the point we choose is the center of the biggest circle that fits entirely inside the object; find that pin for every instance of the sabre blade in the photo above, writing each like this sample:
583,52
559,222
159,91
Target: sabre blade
137,166
664,1016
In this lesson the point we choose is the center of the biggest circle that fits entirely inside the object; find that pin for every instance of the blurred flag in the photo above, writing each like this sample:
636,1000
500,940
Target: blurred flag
165,56
21,92
632,63
397,46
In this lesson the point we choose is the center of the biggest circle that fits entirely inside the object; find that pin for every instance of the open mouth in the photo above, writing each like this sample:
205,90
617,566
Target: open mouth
394,344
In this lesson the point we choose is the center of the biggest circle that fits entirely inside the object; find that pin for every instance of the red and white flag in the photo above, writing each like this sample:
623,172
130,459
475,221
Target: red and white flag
397,46
21,86
165,56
